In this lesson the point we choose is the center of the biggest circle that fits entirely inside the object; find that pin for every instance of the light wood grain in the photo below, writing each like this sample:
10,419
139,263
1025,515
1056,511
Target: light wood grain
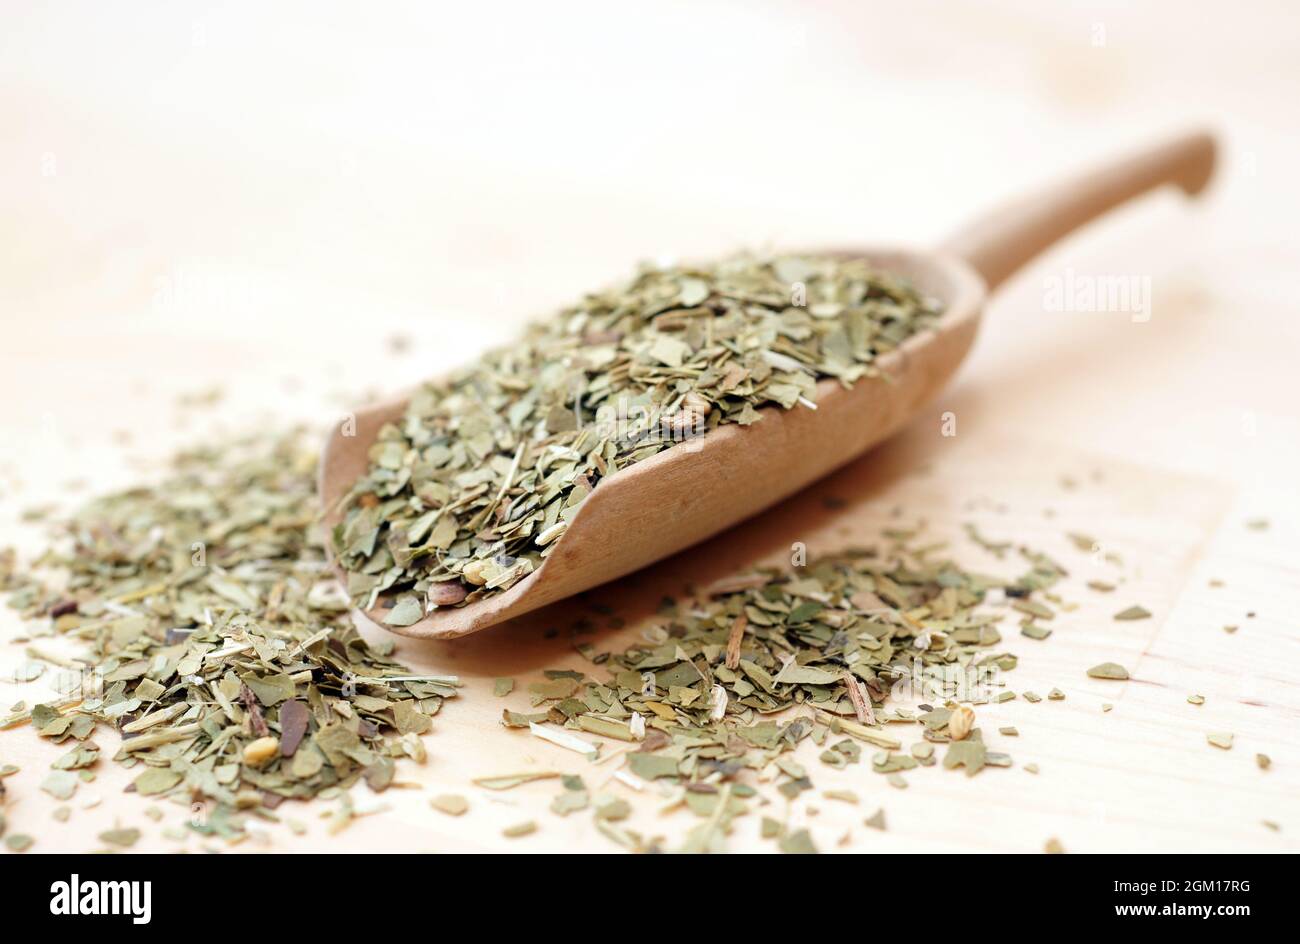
268,229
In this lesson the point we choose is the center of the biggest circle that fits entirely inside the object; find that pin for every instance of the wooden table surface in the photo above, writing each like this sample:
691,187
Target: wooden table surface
213,198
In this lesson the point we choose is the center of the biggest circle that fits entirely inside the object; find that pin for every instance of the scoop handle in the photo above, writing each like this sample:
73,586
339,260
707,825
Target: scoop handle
1000,242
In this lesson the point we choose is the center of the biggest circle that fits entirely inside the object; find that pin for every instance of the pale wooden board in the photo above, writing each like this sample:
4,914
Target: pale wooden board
165,256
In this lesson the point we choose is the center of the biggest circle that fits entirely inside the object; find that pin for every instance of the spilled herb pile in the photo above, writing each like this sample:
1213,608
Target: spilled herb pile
470,491
834,640
219,645
220,648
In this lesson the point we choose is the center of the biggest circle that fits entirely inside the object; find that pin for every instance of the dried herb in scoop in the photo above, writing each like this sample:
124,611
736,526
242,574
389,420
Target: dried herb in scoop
472,488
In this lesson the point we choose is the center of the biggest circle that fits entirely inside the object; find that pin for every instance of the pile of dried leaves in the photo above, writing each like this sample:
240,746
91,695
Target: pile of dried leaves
834,640
473,487
219,646
221,649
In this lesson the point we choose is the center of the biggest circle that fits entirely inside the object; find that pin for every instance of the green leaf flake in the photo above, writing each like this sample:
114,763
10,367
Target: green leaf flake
453,804
510,781
407,611
1109,670
798,842
125,838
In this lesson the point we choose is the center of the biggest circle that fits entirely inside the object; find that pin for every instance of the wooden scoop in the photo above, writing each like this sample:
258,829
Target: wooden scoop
692,491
